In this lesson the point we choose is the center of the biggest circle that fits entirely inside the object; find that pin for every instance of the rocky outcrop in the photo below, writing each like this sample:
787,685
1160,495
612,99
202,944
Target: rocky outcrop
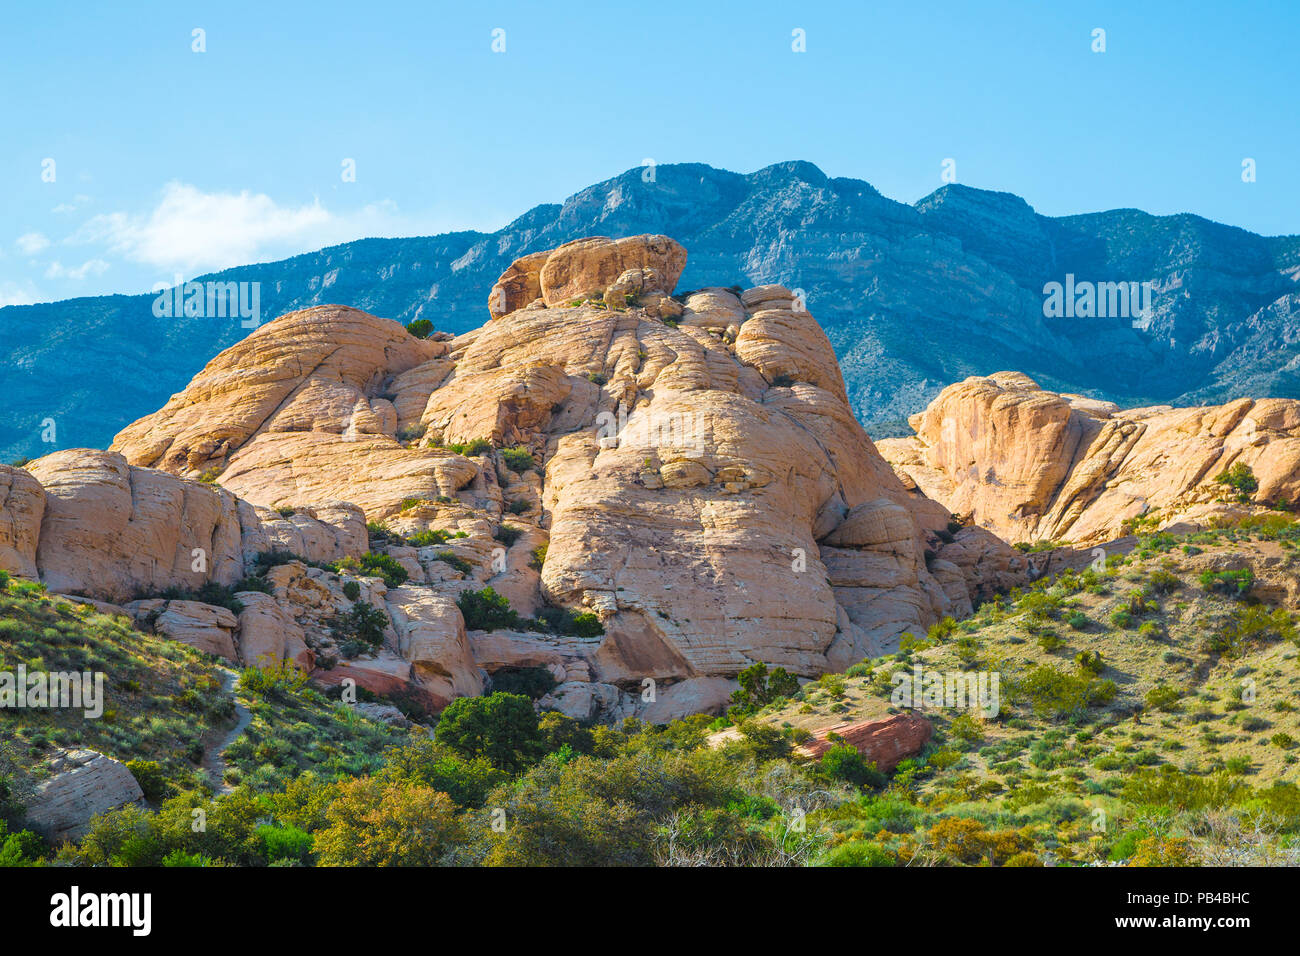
85,783
585,269
108,529
208,628
883,742
686,470
1032,465
22,505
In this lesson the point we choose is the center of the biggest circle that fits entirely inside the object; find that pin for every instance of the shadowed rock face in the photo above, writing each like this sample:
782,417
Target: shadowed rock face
1033,465
697,479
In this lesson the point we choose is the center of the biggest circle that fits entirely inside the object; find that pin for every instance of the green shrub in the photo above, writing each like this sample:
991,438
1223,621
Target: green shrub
1090,663
351,590
1078,620
562,620
210,592
411,432
455,560
361,627
420,328
1233,583
843,762
860,853
430,536
758,687
254,583
386,567
518,459
501,728
152,779
519,506
1241,479
284,843
470,449
508,534
277,681
1162,698
1162,581
486,610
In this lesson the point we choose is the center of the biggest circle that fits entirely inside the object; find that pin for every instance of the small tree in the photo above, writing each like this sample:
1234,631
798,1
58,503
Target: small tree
499,727
1241,479
420,328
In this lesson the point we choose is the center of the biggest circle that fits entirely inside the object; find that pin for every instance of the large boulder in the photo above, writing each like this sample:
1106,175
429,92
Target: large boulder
884,742
22,505
1032,465
85,784
584,269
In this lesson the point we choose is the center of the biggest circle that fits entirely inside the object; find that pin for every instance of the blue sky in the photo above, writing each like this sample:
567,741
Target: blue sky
170,161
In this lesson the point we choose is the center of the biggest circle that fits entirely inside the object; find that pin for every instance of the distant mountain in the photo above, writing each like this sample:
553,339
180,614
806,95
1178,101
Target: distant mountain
913,297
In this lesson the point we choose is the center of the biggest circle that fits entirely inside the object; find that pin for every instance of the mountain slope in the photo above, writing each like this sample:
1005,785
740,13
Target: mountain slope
912,297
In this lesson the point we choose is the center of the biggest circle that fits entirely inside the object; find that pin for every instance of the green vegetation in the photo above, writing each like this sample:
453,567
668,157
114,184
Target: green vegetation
161,698
420,328
1241,479
518,459
360,629
381,565
508,534
477,446
1168,745
486,610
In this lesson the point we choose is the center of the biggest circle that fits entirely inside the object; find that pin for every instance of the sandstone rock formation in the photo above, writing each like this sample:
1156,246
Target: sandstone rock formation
883,742
1032,465
687,470
85,784
584,269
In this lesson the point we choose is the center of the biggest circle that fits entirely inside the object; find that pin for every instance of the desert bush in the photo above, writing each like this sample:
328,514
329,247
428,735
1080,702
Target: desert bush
486,610
1241,479
361,627
518,459
386,567
1232,583
472,448
500,728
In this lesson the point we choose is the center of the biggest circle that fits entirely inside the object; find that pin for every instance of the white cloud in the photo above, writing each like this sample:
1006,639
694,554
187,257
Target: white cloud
30,243
193,230
11,293
78,201
91,267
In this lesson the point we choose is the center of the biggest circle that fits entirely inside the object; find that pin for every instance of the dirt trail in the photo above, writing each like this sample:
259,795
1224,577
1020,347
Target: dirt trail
214,761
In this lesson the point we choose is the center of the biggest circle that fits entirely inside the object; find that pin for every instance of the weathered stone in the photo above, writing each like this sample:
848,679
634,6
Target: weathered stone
85,784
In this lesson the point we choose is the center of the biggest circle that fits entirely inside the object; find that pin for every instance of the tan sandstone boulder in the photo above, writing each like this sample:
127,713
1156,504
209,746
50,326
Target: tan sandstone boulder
1032,465
22,505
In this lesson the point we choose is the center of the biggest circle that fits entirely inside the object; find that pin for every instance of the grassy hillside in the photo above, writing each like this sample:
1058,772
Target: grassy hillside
1153,704
1148,715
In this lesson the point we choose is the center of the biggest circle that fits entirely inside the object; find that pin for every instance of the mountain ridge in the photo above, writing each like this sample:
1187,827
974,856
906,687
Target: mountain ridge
895,284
